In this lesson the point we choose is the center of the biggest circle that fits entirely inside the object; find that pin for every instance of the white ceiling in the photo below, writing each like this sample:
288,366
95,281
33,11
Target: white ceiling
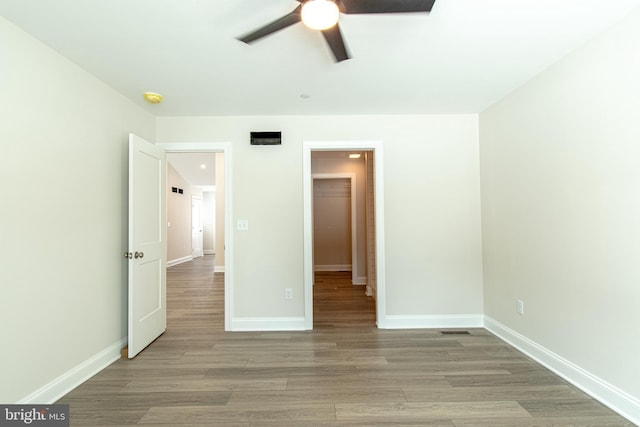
188,165
461,58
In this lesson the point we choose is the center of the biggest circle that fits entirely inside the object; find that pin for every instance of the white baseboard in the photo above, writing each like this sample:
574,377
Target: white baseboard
54,390
332,267
218,269
209,252
179,260
616,399
430,322
268,324
362,280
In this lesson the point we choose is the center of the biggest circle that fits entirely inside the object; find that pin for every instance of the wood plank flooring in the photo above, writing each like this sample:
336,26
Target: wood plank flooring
343,373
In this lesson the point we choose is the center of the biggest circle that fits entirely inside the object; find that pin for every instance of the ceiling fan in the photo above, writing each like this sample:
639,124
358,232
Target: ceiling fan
305,13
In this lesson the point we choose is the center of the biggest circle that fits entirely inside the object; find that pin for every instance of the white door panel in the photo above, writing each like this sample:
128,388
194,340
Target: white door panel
147,244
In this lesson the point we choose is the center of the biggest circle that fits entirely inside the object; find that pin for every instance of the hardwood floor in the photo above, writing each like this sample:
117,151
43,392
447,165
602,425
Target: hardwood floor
338,304
343,373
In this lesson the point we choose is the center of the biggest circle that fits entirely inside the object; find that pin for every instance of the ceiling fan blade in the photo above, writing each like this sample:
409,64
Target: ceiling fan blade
386,6
277,25
333,36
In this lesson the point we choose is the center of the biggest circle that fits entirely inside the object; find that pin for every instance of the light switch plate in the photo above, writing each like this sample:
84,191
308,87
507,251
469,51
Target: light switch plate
243,225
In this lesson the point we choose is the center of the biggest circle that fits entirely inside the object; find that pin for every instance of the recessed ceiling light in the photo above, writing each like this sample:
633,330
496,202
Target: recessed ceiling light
305,96
203,166
355,155
152,97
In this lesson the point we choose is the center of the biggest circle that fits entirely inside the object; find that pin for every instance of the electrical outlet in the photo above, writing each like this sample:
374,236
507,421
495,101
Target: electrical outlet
288,294
520,307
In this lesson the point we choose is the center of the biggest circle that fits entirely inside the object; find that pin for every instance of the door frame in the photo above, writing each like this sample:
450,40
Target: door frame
353,215
194,201
225,149
307,183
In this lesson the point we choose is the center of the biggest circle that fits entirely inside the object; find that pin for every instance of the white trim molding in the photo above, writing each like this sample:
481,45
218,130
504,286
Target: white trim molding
259,324
177,261
340,267
609,395
360,281
431,321
54,390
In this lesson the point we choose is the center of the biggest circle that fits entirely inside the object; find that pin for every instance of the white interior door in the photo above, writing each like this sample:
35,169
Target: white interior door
147,244
196,227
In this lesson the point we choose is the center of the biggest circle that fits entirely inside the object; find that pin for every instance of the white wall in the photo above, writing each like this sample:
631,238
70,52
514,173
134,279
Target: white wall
432,221
63,217
560,163
179,216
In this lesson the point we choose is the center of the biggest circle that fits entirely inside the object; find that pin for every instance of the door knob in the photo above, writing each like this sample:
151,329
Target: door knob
138,255
128,255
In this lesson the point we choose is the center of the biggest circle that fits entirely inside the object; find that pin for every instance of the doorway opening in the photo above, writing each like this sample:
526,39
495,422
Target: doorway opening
212,162
343,223
192,205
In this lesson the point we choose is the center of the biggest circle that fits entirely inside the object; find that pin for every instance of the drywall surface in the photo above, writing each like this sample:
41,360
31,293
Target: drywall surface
178,217
432,207
561,206
63,294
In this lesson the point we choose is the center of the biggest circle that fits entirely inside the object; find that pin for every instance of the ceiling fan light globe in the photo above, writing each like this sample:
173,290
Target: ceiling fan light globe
320,14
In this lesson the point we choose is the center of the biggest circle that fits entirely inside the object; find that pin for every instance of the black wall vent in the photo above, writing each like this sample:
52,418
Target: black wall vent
454,332
266,138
